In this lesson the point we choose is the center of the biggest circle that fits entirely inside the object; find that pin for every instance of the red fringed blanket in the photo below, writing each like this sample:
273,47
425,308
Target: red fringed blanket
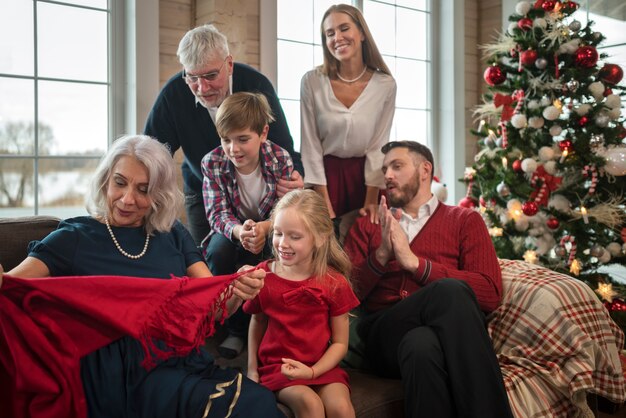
48,324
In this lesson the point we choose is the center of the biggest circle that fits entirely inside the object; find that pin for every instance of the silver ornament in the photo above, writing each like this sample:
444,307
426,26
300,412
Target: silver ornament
597,36
541,63
499,142
575,26
490,143
573,85
560,251
602,120
503,190
596,141
597,250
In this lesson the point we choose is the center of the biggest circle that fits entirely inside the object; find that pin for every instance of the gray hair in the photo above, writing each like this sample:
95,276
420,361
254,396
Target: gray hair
201,44
166,198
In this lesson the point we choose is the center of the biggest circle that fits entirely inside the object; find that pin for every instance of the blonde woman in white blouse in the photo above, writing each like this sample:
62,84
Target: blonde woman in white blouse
347,107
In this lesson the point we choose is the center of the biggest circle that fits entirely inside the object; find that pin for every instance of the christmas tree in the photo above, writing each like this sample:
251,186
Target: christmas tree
549,176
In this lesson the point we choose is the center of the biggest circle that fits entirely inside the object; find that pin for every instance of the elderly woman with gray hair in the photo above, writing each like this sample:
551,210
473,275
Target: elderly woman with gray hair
133,231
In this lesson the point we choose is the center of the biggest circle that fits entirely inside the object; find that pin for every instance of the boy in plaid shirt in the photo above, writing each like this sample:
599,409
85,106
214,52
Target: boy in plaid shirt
239,190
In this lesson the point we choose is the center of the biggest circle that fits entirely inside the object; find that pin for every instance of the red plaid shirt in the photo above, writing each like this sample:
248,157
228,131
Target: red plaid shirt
221,192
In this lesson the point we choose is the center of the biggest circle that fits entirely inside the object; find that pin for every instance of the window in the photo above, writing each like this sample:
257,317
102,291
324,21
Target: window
55,86
401,29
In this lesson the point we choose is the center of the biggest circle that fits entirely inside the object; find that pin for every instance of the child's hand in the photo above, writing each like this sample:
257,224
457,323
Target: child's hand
253,375
293,369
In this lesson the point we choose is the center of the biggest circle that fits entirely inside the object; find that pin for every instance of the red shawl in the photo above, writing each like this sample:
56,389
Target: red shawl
48,324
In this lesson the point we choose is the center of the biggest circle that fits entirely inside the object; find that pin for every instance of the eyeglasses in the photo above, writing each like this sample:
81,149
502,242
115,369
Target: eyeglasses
212,76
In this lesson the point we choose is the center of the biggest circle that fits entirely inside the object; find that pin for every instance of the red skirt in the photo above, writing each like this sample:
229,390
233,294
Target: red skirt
345,181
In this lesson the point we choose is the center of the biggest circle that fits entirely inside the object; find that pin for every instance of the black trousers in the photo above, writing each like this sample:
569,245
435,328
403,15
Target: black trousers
436,341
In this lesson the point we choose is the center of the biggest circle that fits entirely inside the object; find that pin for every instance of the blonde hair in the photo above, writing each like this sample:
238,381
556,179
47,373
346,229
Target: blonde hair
243,110
371,56
315,216
166,198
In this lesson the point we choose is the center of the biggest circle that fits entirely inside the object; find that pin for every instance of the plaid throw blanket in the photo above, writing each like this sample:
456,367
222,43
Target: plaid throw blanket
555,342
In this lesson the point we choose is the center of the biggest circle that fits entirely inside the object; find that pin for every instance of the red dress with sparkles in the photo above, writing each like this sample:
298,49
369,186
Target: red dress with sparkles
298,325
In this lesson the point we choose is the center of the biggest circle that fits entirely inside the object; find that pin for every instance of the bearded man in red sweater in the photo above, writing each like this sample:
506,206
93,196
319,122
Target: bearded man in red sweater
426,275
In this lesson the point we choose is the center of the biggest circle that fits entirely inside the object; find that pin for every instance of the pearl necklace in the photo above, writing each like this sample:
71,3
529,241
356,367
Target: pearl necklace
354,79
119,247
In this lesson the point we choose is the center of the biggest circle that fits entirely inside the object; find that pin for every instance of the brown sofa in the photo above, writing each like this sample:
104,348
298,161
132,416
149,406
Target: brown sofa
578,357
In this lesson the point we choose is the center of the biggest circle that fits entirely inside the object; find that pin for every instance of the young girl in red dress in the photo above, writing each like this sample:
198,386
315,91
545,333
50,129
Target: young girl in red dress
299,328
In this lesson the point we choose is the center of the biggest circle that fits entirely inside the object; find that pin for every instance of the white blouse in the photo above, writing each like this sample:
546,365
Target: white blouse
328,127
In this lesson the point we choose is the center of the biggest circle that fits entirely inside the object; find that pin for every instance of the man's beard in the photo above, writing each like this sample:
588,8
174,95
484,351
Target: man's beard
403,195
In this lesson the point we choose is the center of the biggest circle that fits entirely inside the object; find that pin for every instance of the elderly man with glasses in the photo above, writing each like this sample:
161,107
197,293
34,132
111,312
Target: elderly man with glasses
183,116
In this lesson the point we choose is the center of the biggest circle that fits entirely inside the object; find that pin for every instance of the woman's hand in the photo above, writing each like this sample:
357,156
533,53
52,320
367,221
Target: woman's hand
293,369
249,285
285,185
370,209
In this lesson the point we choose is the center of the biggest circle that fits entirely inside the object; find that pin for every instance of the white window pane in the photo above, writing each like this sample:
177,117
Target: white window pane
16,186
16,37
292,113
412,80
101,4
295,20
320,8
16,115
414,4
294,60
412,34
77,116
411,125
381,19
72,51
63,184
318,56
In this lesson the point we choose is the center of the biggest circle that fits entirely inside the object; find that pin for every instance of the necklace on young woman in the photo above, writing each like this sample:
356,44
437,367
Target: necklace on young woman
345,80
119,247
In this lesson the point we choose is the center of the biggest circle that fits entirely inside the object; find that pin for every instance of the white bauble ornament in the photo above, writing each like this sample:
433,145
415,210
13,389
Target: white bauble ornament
522,8
536,122
545,153
613,101
540,22
440,190
529,165
583,109
521,223
545,244
615,113
614,248
504,217
545,101
550,167
615,161
519,121
512,27
533,104
555,130
551,113
514,205
559,202
605,257
597,90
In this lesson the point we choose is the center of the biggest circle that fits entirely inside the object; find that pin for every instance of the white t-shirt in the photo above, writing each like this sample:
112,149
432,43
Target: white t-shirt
251,190
328,127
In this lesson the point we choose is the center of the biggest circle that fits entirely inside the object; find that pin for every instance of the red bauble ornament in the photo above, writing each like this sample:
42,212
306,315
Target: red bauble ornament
611,73
528,57
572,5
607,91
516,165
494,75
548,5
530,208
486,203
583,121
565,144
586,57
553,223
621,135
525,23
623,234
468,202
618,305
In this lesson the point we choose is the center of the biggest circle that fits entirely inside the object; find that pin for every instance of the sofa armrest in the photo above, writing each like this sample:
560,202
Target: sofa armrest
16,233
555,342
